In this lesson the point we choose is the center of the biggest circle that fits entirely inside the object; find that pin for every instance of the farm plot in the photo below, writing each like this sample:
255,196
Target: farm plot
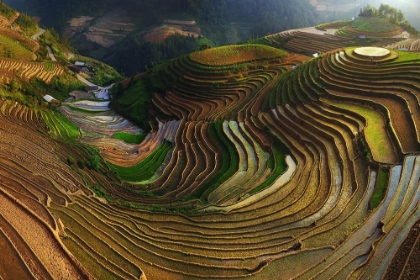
34,173
11,49
228,153
9,68
251,170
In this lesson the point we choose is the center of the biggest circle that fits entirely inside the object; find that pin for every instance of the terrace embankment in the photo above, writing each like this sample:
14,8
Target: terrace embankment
260,169
35,174
253,163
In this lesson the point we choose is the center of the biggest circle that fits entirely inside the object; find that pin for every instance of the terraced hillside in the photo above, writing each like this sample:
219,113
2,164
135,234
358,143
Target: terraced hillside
263,165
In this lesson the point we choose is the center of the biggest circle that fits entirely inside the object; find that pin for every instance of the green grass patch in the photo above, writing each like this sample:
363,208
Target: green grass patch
234,54
11,49
59,125
407,57
130,138
145,169
49,65
333,25
380,187
277,163
377,138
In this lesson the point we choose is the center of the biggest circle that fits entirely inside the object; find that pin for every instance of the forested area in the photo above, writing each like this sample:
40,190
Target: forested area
214,17
395,15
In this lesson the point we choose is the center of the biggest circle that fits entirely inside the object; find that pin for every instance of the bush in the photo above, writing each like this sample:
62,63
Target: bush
70,160
81,164
94,162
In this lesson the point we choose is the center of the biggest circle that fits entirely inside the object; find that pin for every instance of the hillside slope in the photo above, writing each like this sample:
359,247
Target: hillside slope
248,162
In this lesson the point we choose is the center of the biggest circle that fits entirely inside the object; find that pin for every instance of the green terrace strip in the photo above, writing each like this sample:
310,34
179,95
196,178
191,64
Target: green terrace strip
49,65
230,161
145,169
234,54
276,162
380,187
59,125
11,49
130,138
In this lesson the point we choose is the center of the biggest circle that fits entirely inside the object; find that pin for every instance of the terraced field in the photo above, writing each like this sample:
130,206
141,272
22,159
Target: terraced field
254,169
12,68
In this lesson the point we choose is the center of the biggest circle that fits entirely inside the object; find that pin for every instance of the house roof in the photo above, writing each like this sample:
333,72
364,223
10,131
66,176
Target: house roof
48,98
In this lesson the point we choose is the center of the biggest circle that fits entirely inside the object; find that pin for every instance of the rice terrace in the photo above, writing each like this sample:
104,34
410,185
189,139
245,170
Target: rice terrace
296,156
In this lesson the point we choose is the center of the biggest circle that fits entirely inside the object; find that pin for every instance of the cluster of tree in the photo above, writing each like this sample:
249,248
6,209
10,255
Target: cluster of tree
384,10
6,11
27,24
134,54
262,17
212,16
133,101
272,16
395,15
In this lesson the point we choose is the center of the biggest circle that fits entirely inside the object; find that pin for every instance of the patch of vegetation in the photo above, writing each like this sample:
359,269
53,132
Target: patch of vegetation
11,49
333,25
130,138
277,163
6,11
135,54
70,160
145,169
103,74
406,57
58,44
235,54
59,88
27,24
373,24
230,162
380,187
59,126
133,102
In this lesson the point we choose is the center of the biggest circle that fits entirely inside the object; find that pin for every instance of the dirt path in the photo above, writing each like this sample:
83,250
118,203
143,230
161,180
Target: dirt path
39,33
86,82
51,54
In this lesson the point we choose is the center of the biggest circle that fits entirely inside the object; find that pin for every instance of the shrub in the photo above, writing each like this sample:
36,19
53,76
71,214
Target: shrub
70,160
80,163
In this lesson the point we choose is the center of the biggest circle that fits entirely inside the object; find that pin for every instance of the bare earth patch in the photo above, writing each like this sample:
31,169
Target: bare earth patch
170,27
105,31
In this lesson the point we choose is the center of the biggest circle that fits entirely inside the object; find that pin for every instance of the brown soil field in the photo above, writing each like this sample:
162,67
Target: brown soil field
106,31
169,27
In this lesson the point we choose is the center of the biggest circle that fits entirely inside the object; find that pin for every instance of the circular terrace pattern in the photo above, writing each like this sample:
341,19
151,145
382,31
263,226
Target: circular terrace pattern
372,52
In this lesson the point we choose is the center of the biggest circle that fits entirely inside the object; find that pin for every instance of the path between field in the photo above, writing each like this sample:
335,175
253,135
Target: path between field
35,38
51,54
39,33
86,82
